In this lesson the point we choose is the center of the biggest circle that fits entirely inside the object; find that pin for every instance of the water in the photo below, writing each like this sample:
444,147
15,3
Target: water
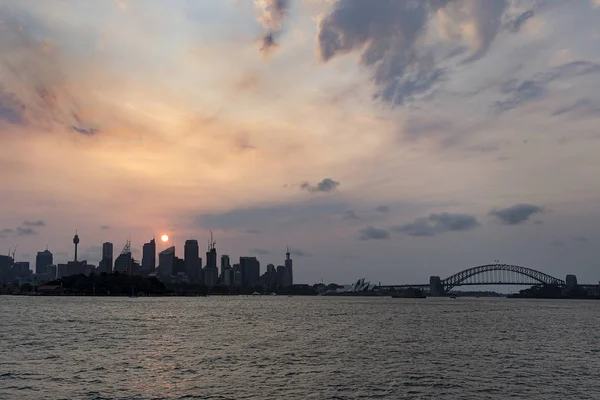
298,348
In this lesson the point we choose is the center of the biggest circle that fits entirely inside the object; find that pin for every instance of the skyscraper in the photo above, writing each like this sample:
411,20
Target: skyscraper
149,257
106,264
289,272
193,262
225,270
250,267
42,261
166,262
124,262
211,271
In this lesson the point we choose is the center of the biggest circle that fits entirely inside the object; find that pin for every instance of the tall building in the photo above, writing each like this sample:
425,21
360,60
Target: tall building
225,270
106,263
236,275
124,262
193,262
179,266
289,272
166,262
43,260
211,272
149,257
250,270
21,269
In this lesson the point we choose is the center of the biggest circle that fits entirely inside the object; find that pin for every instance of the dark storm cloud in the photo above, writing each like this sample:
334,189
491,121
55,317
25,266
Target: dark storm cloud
372,233
326,185
382,209
34,223
350,215
273,14
524,91
261,252
389,33
516,214
439,223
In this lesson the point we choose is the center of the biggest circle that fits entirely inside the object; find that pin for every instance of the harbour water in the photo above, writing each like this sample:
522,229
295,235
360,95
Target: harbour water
272,347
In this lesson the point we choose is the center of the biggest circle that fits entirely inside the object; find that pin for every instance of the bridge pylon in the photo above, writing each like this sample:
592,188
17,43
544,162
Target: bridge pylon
435,286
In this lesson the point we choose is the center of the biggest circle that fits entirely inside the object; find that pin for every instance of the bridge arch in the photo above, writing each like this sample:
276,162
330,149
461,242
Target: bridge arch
500,274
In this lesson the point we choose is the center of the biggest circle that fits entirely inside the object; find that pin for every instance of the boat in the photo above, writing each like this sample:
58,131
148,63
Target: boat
255,294
273,294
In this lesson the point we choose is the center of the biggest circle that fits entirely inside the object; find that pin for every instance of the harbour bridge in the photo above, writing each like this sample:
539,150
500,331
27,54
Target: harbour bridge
489,274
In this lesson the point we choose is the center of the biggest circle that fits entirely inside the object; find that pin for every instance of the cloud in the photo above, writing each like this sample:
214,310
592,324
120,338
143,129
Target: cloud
372,233
516,214
350,215
5,232
34,223
326,185
251,231
105,227
382,209
557,243
535,87
261,252
515,24
580,239
11,109
272,17
83,131
439,223
299,253
266,217
25,231
583,107
390,34
36,88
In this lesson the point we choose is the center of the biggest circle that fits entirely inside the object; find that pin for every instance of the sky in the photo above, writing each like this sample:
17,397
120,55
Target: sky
388,139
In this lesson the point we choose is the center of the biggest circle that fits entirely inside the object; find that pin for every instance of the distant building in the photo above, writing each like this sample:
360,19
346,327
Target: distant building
236,275
226,271
179,267
250,267
166,262
193,262
211,272
289,272
124,263
43,260
149,257
21,269
106,263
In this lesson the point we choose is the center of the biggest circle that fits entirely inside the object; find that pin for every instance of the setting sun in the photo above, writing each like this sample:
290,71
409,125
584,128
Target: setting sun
164,238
